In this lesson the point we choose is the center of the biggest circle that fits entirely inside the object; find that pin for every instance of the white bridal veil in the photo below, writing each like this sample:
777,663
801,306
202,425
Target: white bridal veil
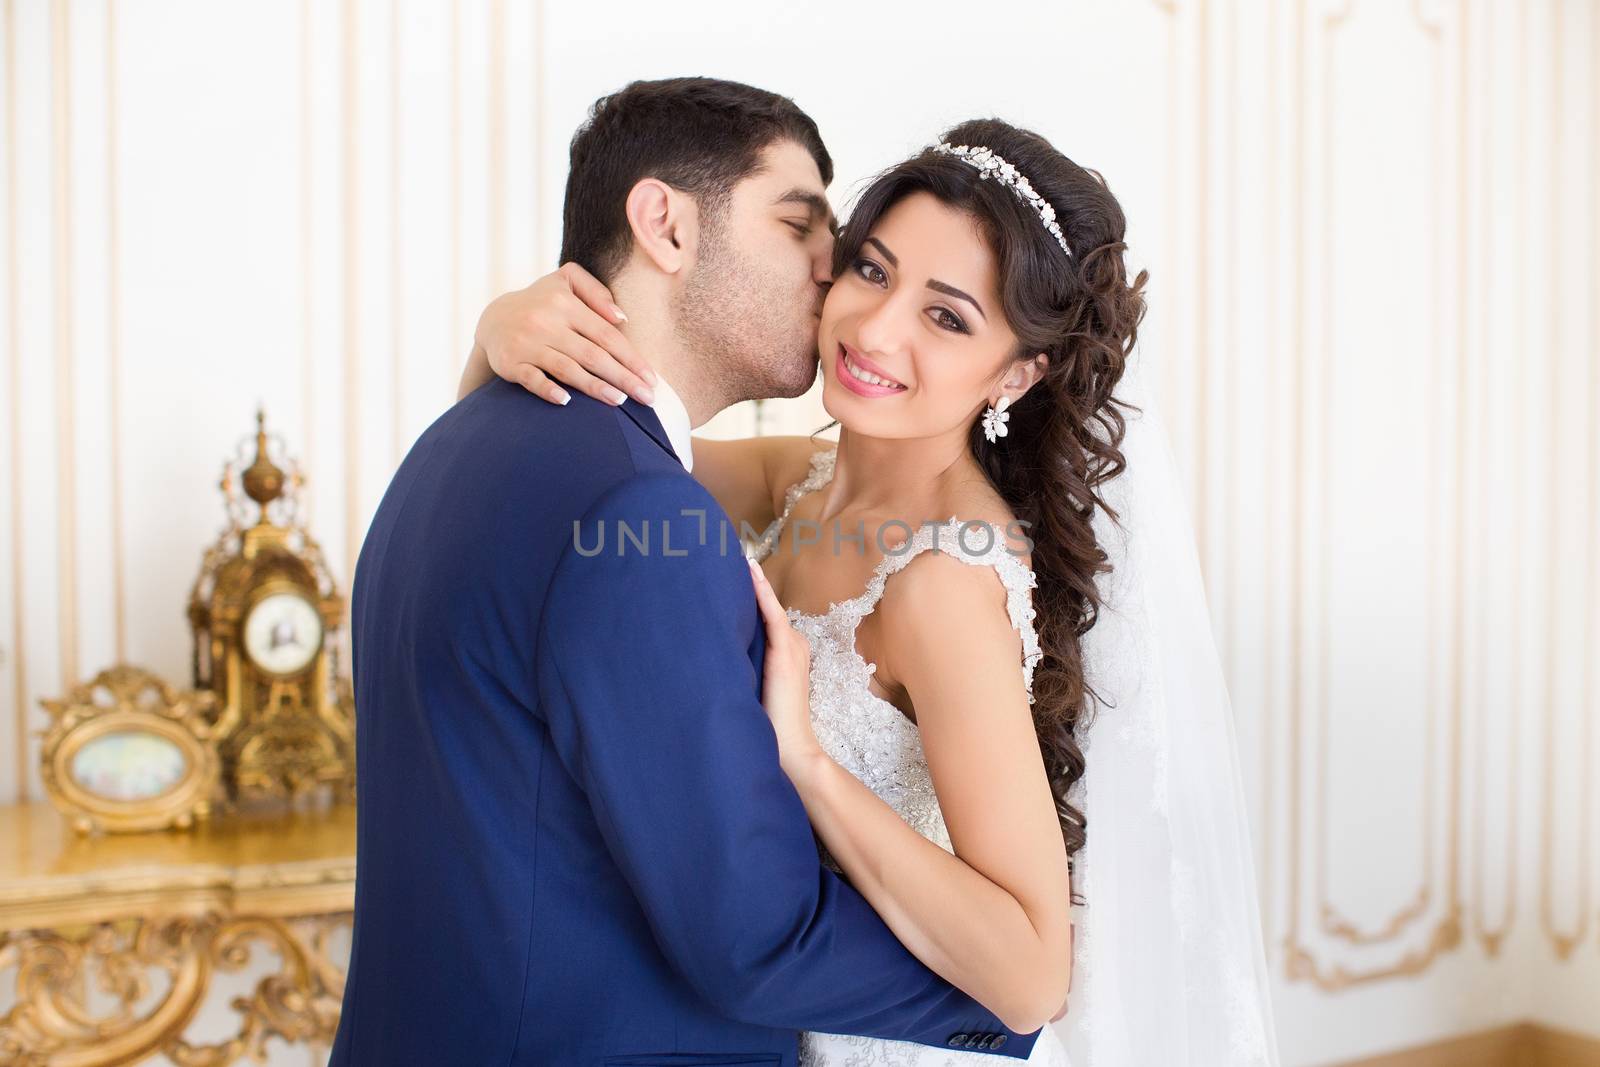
1169,967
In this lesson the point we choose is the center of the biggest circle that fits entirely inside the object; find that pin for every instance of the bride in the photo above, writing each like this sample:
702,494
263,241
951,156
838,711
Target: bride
994,622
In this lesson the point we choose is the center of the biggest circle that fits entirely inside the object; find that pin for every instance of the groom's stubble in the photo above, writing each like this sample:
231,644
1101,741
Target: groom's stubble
753,330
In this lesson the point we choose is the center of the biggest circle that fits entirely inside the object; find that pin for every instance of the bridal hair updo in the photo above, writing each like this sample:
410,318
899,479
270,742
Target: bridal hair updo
1066,432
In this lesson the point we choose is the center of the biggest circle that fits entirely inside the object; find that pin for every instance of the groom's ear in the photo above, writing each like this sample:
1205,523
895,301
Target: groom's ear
663,221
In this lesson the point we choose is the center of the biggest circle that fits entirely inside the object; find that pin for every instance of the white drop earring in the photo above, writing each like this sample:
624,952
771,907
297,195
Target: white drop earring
994,420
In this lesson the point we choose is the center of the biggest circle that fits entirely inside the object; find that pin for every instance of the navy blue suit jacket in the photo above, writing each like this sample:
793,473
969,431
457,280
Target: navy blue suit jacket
575,843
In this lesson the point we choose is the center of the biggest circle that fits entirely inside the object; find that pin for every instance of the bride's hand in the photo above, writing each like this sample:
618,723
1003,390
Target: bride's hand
786,679
564,326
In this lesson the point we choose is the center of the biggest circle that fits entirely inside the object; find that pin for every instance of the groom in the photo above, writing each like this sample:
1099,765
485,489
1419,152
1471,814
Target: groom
575,842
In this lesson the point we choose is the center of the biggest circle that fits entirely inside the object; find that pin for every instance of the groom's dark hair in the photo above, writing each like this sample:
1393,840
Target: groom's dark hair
700,135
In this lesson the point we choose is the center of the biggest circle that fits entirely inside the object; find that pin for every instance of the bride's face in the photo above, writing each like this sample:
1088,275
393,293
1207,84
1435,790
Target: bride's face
919,310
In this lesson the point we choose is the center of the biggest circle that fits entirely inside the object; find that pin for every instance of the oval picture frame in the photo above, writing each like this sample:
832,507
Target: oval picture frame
127,753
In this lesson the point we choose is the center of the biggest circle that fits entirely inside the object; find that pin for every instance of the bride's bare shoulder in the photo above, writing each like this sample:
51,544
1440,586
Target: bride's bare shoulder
983,503
749,475
788,461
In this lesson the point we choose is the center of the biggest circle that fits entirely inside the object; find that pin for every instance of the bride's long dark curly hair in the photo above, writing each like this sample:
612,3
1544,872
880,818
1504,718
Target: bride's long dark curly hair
1065,433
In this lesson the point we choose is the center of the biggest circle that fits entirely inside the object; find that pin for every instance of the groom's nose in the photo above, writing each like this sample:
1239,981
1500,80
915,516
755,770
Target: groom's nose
822,263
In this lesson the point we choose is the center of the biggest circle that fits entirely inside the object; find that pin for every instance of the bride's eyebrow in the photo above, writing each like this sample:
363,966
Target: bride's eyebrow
935,285
950,290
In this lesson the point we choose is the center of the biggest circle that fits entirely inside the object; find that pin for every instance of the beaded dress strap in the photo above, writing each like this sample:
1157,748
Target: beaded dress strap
975,542
819,474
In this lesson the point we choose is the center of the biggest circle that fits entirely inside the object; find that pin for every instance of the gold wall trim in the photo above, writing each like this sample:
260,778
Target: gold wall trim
1228,365
1459,542
352,291
1563,943
1297,301
119,547
308,364
19,649
397,339
1492,935
1173,110
538,136
497,150
452,357
1270,477
66,422
1586,766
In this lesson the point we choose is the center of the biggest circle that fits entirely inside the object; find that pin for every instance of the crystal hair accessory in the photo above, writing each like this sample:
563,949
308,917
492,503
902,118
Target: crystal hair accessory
989,165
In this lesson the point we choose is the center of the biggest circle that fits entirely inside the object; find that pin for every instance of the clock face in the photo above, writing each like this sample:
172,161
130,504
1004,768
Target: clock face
282,633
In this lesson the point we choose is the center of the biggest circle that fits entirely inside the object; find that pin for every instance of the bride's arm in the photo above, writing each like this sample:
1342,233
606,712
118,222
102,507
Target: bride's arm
993,919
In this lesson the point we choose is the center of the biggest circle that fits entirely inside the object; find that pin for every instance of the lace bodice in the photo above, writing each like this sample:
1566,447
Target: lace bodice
874,741
866,734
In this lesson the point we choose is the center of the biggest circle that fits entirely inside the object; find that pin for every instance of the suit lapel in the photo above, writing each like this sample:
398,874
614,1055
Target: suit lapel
647,420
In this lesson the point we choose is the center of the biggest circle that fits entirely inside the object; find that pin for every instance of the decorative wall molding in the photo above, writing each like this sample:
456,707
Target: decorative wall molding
1316,53
1565,942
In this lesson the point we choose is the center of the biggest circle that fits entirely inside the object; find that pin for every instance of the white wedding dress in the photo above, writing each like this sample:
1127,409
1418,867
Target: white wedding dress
874,741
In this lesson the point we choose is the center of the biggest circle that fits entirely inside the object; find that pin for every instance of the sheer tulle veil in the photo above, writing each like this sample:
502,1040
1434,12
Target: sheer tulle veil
1169,966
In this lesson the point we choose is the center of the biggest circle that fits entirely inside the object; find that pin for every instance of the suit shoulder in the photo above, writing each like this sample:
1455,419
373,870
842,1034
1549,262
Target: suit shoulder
660,527
659,492
566,458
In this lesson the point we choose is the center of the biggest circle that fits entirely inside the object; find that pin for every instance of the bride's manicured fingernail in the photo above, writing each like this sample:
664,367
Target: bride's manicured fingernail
617,314
616,396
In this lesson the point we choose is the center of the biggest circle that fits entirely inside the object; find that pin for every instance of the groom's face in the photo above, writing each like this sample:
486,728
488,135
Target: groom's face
763,265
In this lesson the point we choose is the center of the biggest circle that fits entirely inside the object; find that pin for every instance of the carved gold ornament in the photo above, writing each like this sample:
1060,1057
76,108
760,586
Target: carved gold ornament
52,1022
110,945
126,751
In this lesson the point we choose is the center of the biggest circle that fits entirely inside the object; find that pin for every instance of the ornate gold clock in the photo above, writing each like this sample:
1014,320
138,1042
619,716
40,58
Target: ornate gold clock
266,617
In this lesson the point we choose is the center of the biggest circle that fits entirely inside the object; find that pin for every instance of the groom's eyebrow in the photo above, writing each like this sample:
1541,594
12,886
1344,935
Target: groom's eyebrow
815,202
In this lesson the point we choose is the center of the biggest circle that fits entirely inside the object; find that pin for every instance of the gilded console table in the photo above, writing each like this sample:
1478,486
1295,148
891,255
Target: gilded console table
87,923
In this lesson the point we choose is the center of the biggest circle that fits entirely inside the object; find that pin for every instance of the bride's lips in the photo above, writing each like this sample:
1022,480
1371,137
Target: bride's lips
856,385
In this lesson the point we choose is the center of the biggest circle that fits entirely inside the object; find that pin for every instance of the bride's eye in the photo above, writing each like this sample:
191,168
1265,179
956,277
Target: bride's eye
949,320
869,270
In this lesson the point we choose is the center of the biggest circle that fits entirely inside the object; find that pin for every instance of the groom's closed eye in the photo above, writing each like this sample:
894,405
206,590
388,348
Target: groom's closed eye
817,207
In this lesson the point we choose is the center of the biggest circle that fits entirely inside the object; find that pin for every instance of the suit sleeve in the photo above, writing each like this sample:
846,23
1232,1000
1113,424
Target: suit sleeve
648,673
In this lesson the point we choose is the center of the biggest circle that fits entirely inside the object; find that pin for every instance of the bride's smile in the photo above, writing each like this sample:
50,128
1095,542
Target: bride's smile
862,376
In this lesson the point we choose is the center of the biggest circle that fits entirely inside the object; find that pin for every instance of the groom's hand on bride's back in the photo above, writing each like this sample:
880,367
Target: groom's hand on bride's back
564,329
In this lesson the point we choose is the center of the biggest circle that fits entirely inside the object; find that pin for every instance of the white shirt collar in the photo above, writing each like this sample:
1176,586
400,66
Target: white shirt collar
675,420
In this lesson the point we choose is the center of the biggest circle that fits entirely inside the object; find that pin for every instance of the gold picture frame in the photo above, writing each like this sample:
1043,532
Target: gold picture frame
127,752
